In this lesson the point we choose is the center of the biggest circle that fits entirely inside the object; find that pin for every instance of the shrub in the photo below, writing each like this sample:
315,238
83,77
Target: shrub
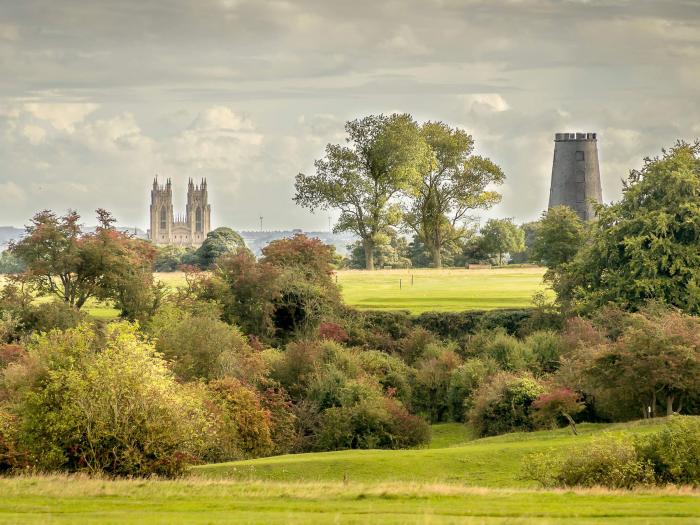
504,404
674,452
609,461
198,347
283,420
412,347
53,314
11,455
391,372
242,427
432,382
105,404
372,423
333,332
10,354
510,353
546,349
559,404
464,382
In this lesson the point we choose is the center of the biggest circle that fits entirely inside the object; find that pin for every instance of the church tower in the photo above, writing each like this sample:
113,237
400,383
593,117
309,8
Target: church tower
188,230
198,211
161,212
576,173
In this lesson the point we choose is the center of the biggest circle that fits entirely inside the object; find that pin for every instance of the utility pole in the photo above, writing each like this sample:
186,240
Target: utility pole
261,218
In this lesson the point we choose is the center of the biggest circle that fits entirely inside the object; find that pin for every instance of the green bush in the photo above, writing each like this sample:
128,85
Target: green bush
53,314
104,404
510,353
610,461
391,372
504,404
674,452
372,423
242,425
546,348
199,346
464,382
432,382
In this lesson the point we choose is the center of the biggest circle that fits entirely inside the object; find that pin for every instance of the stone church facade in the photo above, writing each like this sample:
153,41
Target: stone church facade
189,229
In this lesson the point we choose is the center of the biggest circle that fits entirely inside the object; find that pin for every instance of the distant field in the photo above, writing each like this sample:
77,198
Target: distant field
423,290
435,485
419,290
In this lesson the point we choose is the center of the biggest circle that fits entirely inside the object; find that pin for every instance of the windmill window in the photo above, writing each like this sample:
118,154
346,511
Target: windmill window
580,155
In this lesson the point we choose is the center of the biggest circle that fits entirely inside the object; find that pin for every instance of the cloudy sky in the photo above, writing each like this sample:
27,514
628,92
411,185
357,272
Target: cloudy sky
98,96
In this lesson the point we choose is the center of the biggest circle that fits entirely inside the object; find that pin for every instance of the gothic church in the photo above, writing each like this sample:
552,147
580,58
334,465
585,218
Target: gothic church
188,230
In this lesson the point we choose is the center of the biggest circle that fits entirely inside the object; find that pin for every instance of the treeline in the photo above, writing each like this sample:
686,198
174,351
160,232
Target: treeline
260,356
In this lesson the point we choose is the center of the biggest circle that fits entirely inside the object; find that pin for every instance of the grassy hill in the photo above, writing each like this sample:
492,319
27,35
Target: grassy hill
453,457
434,485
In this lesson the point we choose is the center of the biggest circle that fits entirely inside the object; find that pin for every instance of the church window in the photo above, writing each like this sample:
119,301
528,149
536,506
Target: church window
163,218
198,219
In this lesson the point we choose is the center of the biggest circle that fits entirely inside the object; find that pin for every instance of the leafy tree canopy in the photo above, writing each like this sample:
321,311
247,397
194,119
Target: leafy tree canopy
218,242
644,247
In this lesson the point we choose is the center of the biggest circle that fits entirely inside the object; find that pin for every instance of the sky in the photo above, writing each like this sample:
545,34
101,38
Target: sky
97,97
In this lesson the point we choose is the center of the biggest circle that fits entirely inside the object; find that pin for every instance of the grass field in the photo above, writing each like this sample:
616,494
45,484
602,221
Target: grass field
453,457
427,486
419,290
423,290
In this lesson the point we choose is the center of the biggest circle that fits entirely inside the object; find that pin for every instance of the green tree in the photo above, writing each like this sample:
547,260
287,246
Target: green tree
363,178
449,186
501,236
10,263
644,247
63,261
219,242
559,236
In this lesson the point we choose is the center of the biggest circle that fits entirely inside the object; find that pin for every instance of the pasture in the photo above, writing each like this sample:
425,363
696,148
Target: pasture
455,480
447,290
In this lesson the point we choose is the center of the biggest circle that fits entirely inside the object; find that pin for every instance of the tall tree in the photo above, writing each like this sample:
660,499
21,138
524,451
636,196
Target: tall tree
501,236
559,236
63,261
363,178
218,242
454,182
644,247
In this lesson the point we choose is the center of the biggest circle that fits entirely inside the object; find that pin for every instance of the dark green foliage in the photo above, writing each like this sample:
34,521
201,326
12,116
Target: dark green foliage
500,237
504,404
559,235
546,348
371,423
432,382
465,380
219,242
455,325
670,455
170,258
644,247
52,315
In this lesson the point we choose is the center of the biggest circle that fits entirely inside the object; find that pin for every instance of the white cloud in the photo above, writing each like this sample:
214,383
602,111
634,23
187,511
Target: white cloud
485,102
34,134
62,116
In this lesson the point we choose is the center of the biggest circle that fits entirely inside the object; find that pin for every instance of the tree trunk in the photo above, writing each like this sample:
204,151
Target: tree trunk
369,253
572,423
669,405
437,257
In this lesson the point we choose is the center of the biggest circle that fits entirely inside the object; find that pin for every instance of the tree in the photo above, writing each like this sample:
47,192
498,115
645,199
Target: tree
644,247
657,357
218,242
10,263
363,178
448,187
63,261
501,236
559,236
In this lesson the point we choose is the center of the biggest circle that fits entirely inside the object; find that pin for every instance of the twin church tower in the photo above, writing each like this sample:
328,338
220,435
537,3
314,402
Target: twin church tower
188,230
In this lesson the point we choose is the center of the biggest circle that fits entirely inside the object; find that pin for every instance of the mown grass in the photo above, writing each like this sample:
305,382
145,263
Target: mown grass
61,499
427,486
423,290
489,462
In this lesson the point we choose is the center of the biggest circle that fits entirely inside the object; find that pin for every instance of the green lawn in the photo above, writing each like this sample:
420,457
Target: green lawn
426,486
423,290
454,457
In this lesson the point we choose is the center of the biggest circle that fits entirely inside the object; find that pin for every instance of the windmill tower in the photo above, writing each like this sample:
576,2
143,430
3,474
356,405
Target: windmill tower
576,173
